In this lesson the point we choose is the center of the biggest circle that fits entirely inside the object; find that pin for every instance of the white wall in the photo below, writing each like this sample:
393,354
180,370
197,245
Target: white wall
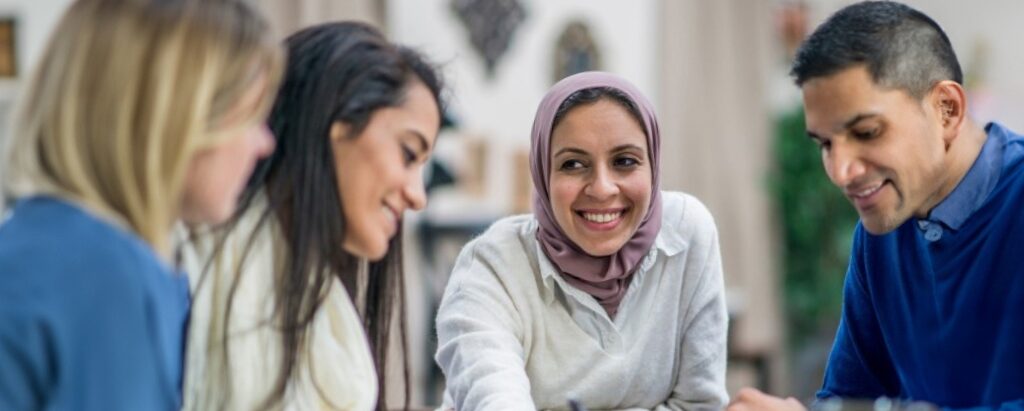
501,108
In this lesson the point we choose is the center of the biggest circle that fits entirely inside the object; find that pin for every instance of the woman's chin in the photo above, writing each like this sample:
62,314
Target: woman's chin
372,252
603,249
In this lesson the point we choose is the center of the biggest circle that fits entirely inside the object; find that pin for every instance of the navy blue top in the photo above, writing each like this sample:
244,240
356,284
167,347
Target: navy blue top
90,318
934,310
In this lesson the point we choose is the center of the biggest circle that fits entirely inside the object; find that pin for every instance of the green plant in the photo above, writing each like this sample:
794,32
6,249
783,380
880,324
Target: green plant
817,227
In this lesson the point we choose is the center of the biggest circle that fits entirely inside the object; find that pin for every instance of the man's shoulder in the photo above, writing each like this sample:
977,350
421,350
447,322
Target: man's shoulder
1013,151
1009,188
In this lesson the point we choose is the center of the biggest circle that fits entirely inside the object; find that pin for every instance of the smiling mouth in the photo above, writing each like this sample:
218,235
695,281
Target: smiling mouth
866,192
601,220
866,197
393,217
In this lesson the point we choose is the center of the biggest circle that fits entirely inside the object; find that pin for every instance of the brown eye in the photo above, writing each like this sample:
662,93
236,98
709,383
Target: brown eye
570,165
626,162
865,134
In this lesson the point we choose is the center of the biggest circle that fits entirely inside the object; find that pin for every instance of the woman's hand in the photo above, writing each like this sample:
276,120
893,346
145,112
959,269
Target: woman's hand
750,399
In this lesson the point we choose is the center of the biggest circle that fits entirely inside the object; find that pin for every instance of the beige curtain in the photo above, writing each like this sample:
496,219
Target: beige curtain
714,72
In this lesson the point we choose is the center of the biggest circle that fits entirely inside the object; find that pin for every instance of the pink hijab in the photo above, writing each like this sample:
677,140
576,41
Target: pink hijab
605,278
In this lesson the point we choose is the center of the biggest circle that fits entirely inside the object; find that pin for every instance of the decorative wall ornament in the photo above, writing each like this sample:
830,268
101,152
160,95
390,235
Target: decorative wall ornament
8,47
575,52
491,25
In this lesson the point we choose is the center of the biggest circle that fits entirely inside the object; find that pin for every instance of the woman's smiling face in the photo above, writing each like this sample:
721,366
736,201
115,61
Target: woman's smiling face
380,170
601,179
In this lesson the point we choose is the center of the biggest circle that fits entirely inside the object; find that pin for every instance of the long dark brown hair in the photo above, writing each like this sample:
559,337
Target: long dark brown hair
336,72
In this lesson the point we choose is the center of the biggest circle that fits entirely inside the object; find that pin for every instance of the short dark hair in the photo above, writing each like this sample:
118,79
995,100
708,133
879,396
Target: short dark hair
901,47
592,95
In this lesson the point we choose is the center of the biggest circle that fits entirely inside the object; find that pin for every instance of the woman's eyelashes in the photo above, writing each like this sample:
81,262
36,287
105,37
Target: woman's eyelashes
626,162
619,163
408,155
572,164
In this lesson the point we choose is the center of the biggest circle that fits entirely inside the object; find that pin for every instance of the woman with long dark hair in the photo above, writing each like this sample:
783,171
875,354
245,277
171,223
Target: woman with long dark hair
275,324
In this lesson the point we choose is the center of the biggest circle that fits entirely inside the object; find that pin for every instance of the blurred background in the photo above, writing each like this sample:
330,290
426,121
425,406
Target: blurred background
732,127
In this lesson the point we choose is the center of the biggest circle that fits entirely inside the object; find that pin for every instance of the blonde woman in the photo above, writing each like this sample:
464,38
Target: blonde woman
140,113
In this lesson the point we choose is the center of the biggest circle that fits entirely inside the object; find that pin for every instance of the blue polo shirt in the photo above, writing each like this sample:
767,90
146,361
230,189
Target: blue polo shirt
90,318
934,310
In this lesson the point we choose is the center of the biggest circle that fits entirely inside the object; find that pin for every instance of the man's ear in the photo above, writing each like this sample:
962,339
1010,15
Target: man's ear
950,102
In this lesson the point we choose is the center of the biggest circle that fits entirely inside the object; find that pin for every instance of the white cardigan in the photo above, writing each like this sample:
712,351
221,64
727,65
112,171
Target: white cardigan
336,363
513,335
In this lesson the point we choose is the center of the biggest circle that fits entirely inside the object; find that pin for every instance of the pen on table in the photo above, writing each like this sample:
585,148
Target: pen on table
575,405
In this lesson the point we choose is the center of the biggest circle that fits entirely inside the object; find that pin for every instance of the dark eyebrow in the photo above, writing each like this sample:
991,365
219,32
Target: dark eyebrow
573,150
627,147
858,118
846,124
424,145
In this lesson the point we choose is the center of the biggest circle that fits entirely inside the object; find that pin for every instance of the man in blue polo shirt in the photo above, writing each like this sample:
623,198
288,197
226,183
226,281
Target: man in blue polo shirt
933,305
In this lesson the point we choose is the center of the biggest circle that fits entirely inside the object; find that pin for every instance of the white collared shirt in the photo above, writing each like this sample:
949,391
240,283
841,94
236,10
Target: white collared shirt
514,335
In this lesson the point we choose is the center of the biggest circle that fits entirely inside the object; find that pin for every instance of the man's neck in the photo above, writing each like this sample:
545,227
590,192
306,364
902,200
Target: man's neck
963,152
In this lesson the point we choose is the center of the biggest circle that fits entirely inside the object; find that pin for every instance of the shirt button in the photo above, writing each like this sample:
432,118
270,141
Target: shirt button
933,233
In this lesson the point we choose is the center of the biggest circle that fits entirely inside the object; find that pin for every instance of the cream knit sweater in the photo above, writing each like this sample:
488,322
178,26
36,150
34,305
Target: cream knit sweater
336,370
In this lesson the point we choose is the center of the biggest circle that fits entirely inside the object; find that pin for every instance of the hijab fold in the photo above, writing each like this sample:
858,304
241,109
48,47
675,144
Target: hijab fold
605,278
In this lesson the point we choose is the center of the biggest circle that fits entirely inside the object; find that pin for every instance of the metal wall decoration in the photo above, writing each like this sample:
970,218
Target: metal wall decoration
491,25
575,52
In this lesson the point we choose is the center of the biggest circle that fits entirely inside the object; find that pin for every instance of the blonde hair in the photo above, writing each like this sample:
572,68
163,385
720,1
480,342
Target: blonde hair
125,94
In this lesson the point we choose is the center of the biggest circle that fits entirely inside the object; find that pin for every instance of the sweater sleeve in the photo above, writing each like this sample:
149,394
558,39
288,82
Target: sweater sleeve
26,375
859,365
701,377
1015,405
480,346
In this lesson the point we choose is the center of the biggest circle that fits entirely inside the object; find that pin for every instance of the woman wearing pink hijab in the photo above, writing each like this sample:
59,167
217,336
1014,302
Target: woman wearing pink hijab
610,293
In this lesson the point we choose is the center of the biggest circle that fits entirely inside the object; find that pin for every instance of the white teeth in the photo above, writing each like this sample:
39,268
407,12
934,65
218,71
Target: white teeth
601,218
868,192
391,214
